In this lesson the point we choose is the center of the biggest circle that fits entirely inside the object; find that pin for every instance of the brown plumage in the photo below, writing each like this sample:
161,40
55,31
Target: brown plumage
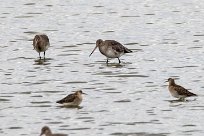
178,91
111,49
41,43
74,99
47,132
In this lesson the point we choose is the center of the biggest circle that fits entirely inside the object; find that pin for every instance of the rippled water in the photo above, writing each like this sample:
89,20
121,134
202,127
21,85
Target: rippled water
130,99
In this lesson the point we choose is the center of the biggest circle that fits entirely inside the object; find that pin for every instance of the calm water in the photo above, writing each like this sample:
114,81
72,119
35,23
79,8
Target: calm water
130,99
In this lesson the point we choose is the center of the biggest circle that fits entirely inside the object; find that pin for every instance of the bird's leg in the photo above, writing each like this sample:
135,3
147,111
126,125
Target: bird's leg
119,60
39,55
181,99
44,54
107,61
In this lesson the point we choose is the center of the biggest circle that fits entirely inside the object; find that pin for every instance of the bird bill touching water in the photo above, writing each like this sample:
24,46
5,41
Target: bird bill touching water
73,99
110,49
178,91
41,43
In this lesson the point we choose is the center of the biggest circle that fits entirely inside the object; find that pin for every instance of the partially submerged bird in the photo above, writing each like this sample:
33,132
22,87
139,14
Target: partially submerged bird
41,43
47,132
74,99
111,49
178,91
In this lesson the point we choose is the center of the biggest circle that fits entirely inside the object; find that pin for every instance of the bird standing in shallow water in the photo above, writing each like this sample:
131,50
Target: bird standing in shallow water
111,49
178,91
41,43
47,132
74,99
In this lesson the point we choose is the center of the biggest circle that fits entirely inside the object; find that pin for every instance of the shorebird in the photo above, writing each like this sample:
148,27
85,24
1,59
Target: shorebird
111,49
72,99
47,132
41,43
178,91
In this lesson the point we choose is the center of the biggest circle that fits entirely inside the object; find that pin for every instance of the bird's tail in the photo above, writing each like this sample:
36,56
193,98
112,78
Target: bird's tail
192,94
60,101
127,50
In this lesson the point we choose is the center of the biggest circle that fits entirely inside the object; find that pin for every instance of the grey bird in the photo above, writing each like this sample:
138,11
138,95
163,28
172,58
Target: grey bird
41,43
47,132
178,91
111,49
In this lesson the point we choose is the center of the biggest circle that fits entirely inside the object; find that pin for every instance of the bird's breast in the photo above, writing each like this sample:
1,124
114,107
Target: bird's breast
173,92
109,52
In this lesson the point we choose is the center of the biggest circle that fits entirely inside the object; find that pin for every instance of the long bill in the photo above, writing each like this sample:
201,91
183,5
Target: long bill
93,51
166,81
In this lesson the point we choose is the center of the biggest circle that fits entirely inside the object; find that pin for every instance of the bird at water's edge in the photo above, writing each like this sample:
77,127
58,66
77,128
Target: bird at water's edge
73,99
111,49
41,43
178,91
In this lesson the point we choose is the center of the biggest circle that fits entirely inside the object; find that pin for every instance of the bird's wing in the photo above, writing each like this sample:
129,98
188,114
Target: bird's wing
118,47
182,91
45,40
35,41
67,99
45,37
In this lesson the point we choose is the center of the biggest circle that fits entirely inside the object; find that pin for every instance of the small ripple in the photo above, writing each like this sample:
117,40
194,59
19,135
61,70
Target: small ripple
112,12
113,92
123,101
75,82
40,106
77,14
133,43
41,102
98,6
139,134
150,14
36,96
15,127
97,13
149,23
4,100
85,118
49,92
197,47
129,16
108,31
189,125
49,5
86,43
31,32
77,128
198,35
33,13
29,4
23,16
109,89
55,122
127,75
51,30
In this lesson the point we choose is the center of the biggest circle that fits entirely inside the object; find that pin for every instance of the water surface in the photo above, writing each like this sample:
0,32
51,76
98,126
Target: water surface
130,99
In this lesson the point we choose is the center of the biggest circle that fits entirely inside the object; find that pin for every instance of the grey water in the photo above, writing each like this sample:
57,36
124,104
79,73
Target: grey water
130,99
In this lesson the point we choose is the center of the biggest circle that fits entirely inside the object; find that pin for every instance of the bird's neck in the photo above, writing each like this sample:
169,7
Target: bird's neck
102,48
172,83
49,133
79,96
